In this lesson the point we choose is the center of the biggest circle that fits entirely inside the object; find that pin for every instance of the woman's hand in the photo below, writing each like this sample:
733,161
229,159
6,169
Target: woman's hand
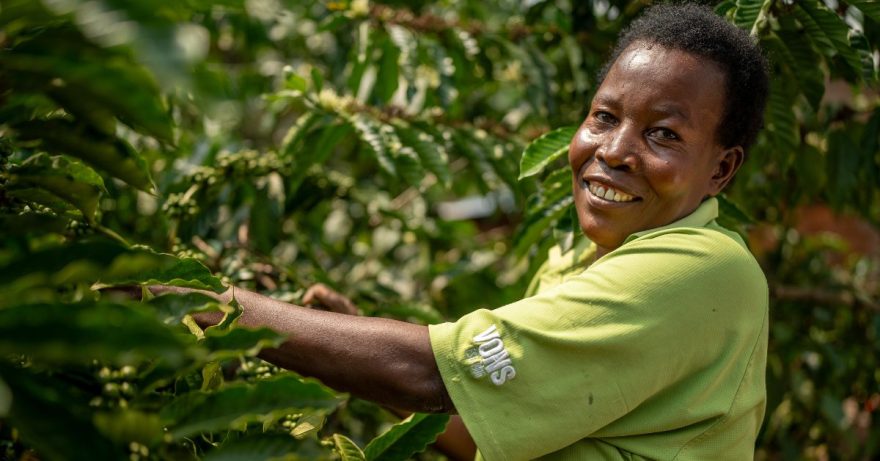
320,295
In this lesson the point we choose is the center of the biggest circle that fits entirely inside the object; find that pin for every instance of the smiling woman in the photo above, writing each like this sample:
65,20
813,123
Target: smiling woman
647,153
647,341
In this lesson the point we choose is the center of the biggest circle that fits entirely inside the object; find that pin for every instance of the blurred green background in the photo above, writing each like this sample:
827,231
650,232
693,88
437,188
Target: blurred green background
375,147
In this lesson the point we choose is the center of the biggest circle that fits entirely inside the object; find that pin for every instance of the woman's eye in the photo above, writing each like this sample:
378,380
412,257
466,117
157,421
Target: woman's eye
664,133
605,117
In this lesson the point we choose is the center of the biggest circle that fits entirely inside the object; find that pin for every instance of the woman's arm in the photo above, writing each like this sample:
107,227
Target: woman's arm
387,361
455,442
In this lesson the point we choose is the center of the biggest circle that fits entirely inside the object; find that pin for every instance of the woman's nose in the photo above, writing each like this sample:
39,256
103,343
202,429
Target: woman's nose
620,149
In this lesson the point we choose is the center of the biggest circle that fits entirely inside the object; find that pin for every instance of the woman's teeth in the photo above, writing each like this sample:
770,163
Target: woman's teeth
609,193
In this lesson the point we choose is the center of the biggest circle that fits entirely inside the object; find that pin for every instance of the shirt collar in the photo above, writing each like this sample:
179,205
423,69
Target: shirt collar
703,215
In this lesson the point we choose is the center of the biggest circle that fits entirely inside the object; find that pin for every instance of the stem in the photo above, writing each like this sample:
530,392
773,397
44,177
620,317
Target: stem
110,233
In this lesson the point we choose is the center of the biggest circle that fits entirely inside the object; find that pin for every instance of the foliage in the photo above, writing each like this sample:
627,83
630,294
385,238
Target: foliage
374,148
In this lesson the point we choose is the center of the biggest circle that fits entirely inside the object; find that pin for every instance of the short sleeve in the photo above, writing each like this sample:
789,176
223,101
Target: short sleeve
540,374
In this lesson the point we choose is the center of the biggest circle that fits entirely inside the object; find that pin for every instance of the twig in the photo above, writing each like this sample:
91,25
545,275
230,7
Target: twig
821,296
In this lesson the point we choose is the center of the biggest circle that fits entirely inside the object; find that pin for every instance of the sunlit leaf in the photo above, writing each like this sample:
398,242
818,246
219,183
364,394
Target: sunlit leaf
870,8
544,150
346,449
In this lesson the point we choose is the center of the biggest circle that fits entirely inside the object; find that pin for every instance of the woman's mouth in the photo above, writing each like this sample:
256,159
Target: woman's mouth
609,193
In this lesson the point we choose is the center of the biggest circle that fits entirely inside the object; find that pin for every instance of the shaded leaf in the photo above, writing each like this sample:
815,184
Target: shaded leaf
69,433
259,447
172,307
107,263
406,438
68,180
82,332
432,153
21,224
126,425
105,153
240,341
547,207
235,405
316,152
389,69
732,211
109,80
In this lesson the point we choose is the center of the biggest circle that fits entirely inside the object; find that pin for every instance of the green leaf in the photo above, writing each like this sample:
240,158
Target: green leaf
26,223
369,132
389,70
565,229
406,438
66,179
240,341
309,423
163,269
295,82
842,165
730,213
109,80
316,152
298,131
33,195
107,263
544,150
82,332
347,450
53,418
550,205
780,120
106,153
172,307
126,425
793,50
432,153
465,145
259,447
870,8
866,54
829,30
361,58
237,404
750,14
317,80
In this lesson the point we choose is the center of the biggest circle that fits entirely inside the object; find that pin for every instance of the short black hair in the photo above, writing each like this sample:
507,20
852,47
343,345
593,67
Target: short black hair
698,30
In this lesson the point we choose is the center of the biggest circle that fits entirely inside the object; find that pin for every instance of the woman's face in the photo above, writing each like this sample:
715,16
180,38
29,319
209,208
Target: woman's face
647,153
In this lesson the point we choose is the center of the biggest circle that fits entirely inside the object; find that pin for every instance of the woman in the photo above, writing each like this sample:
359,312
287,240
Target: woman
650,340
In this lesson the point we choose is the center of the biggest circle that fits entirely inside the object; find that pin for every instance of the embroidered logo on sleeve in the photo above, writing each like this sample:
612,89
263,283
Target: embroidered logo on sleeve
494,359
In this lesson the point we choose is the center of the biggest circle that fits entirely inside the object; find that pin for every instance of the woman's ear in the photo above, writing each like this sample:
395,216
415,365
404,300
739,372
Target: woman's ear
728,163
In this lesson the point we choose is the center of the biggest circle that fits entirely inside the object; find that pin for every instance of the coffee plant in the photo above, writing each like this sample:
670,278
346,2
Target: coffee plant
410,155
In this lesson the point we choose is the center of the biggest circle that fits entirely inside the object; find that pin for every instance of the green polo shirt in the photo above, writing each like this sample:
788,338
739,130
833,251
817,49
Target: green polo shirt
656,350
